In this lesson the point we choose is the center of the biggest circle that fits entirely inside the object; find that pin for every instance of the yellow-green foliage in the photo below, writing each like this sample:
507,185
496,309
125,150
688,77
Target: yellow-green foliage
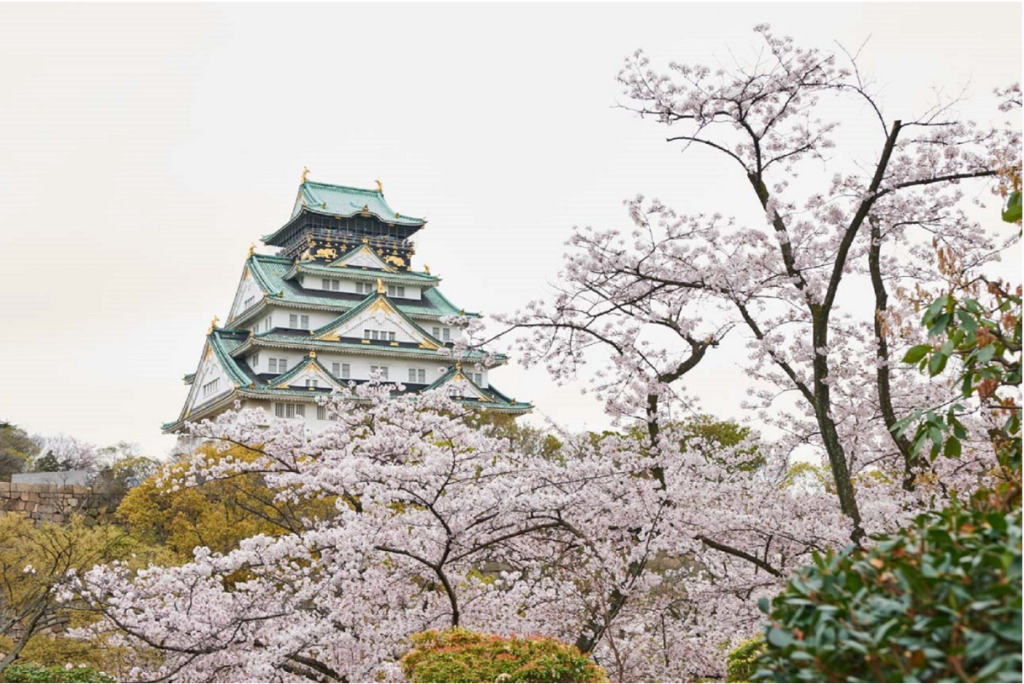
458,655
217,514
33,560
741,663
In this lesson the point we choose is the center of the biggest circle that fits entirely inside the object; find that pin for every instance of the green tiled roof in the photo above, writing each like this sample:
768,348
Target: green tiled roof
495,398
341,200
223,341
270,273
298,369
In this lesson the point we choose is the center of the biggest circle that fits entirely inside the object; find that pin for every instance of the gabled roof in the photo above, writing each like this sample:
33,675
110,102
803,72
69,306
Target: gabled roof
375,302
220,342
488,397
363,253
270,273
309,364
223,341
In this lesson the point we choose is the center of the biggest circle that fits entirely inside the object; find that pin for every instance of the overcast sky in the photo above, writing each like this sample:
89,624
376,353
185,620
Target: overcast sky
143,148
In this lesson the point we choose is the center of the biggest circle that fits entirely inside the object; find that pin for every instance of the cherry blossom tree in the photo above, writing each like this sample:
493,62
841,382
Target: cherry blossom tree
663,295
648,548
440,525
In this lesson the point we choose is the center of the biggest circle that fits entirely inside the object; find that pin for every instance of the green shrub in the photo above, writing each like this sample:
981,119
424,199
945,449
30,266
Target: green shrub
939,601
31,672
742,660
458,655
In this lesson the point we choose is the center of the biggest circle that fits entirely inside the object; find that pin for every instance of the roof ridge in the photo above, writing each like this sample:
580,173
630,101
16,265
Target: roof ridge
372,191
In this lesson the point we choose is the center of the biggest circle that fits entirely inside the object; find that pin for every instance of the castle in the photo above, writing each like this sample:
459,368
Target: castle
339,304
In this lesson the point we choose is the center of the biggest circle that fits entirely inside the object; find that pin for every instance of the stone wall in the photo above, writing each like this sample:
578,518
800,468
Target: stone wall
55,503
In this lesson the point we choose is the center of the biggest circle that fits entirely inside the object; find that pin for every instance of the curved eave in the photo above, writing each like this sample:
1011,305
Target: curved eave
306,344
312,397
360,273
400,220
201,412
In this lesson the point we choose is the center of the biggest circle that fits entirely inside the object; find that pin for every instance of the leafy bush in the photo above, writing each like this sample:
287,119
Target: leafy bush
31,672
939,601
458,655
741,663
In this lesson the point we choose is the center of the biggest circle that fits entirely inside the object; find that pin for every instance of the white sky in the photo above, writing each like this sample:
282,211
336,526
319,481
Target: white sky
143,148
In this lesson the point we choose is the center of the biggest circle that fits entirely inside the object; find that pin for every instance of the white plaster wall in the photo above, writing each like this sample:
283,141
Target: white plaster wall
293,358
247,288
317,319
209,371
345,285
379,320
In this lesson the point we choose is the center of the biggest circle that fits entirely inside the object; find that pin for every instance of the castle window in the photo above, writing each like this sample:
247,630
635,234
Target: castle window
290,410
311,383
396,291
364,288
478,378
248,302
298,322
321,413
418,375
254,361
330,284
382,371
211,387
278,365
340,370
381,335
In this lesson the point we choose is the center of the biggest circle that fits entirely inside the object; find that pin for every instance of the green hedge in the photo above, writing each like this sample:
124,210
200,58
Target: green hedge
458,655
31,672
940,601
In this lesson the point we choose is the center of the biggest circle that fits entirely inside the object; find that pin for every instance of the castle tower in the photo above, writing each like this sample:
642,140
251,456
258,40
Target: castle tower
340,303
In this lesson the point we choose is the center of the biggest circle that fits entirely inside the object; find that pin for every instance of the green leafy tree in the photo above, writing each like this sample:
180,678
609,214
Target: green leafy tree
217,514
940,601
17,449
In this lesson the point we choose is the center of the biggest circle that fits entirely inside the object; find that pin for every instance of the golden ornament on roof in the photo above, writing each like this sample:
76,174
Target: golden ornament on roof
380,286
426,268
305,173
380,188
252,249
312,354
213,324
